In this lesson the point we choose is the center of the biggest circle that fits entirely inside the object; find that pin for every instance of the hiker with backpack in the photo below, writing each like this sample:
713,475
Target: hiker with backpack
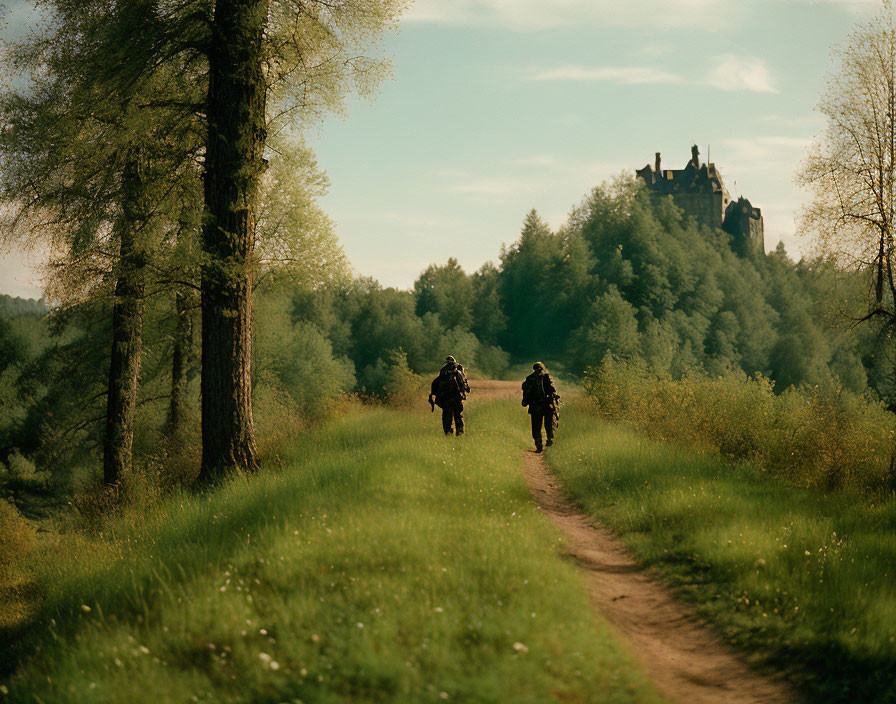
541,397
448,391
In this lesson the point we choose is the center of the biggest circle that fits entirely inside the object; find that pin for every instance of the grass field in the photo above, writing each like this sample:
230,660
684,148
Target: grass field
382,562
801,579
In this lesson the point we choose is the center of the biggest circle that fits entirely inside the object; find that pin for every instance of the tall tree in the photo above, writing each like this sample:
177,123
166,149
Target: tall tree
234,161
297,57
527,266
97,141
851,169
446,291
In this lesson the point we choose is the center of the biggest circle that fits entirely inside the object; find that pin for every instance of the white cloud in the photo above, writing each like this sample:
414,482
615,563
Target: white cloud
622,75
733,72
813,121
528,15
729,73
763,151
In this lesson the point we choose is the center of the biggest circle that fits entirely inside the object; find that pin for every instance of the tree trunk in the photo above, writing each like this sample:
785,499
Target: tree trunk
183,340
233,163
127,335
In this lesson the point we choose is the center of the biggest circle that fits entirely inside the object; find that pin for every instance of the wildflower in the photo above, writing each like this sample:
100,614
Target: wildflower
85,608
359,624
520,648
144,650
443,695
439,609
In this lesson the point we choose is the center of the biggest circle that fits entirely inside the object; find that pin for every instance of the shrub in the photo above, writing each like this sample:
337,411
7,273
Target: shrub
821,436
402,386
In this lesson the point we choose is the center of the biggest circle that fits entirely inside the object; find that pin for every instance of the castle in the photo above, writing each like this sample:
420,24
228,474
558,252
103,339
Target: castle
699,191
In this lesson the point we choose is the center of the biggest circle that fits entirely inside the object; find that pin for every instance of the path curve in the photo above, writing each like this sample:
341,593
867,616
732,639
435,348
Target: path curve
686,660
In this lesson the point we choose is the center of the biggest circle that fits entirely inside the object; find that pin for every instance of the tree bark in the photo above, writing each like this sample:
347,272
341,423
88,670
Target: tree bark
233,163
180,356
127,335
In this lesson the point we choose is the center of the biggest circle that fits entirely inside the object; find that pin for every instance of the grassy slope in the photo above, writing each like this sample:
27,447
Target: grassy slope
804,577
383,562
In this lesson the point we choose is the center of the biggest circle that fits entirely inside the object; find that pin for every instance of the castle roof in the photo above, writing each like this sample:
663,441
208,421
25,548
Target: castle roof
693,178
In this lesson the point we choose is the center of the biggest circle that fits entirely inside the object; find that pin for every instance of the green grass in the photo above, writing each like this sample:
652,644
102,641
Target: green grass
802,579
382,562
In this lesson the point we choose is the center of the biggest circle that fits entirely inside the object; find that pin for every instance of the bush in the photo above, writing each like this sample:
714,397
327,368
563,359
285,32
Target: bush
402,386
813,436
17,538
491,362
20,474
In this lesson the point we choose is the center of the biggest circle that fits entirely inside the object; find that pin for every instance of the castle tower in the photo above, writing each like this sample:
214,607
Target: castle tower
699,191
744,223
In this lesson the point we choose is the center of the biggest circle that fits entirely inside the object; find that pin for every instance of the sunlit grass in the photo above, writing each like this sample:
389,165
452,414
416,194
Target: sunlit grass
801,578
384,562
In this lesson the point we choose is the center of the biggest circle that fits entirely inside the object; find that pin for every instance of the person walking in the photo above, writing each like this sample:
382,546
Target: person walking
541,397
448,391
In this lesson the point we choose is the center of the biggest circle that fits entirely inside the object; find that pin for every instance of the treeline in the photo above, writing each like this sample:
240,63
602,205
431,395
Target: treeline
629,274
153,149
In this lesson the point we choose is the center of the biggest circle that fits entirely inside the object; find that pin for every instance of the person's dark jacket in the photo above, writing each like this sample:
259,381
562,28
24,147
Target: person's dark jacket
450,386
539,402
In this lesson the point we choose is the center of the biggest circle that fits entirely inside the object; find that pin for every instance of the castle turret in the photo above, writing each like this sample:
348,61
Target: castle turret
699,191
744,223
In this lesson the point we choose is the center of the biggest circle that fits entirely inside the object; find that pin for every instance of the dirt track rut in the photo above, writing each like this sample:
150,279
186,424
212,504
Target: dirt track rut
685,658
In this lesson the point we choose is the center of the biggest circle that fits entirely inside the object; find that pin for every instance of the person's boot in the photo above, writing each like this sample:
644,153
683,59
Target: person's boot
549,442
538,448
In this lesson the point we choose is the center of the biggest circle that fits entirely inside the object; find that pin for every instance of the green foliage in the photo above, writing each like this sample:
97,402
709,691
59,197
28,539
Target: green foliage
296,357
10,306
402,386
446,291
381,563
798,578
630,275
821,436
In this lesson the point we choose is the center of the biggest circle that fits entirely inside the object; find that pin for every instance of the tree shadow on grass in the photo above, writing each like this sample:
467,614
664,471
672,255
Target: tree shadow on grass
181,549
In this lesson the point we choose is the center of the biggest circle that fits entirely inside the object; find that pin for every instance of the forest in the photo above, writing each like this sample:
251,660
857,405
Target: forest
220,478
627,276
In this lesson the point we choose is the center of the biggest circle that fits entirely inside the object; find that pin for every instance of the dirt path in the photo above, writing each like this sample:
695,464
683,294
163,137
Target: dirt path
489,389
687,660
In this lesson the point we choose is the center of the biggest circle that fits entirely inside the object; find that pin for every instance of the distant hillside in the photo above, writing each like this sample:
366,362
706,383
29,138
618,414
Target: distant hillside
11,306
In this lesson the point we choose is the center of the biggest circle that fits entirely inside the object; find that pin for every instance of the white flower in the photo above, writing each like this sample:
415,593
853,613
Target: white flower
520,648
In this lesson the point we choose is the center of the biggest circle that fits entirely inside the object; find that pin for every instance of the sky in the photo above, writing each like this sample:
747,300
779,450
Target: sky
496,107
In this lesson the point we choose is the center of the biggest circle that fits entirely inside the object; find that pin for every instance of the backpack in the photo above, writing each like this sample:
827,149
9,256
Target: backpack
533,389
446,385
